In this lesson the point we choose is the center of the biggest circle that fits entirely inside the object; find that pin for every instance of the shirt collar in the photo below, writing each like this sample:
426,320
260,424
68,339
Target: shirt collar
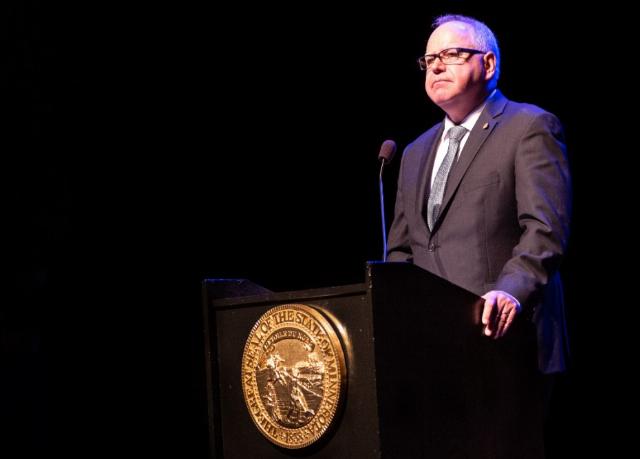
470,121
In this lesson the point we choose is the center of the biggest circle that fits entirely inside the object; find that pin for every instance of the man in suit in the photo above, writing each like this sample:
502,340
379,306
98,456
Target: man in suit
496,221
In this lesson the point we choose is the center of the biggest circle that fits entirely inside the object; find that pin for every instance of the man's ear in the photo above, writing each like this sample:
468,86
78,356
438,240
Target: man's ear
489,61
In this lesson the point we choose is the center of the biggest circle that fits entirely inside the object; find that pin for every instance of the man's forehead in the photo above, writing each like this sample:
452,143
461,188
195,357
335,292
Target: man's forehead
451,33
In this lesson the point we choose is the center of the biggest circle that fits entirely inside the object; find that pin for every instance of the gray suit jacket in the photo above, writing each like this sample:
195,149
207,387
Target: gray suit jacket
504,220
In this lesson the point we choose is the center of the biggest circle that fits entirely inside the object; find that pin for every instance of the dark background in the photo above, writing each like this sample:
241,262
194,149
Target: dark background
149,147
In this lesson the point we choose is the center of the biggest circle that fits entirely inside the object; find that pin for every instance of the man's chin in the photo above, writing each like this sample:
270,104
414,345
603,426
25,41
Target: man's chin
442,98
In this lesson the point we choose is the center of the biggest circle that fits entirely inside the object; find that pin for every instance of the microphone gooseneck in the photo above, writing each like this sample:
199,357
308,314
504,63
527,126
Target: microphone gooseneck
387,150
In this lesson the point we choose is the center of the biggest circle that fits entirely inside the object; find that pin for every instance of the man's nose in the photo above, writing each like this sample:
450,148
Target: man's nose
438,66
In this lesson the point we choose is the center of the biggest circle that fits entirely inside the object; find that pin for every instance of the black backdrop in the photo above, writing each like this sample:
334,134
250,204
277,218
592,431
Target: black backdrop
149,147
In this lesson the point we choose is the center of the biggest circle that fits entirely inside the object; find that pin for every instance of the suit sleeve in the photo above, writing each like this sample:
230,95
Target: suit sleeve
543,198
398,246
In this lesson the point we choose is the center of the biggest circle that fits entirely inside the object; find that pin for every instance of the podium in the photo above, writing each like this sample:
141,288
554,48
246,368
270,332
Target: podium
421,378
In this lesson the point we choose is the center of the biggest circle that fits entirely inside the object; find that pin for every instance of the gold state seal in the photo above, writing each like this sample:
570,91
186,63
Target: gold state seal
293,375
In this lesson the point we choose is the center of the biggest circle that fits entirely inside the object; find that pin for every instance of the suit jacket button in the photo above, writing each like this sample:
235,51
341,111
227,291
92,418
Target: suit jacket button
432,247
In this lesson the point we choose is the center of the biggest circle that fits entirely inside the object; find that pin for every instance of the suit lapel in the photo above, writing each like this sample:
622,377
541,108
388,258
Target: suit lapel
425,167
487,121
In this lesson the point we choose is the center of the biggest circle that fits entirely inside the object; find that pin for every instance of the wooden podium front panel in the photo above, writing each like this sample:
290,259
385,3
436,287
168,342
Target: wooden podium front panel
355,430
423,381
444,389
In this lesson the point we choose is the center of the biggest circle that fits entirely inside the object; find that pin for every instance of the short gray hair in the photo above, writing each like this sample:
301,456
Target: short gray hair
483,37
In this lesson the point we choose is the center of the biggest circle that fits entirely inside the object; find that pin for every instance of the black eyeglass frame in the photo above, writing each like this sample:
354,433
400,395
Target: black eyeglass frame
453,60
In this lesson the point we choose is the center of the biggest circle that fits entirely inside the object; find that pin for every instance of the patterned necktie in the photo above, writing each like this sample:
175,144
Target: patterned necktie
456,133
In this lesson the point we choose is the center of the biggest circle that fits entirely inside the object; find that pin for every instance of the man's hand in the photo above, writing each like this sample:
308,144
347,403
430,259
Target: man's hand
500,309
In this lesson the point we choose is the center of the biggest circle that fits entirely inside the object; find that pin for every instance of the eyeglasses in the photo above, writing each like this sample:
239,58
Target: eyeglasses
455,56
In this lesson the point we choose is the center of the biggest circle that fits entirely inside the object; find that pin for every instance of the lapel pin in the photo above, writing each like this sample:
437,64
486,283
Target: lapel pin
485,126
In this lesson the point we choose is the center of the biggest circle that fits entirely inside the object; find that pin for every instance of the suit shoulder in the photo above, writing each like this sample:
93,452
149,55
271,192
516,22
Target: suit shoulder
522,121
423,141
527,111
525,117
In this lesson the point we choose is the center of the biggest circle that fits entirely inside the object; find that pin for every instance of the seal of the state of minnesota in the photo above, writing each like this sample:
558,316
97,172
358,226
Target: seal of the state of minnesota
293,375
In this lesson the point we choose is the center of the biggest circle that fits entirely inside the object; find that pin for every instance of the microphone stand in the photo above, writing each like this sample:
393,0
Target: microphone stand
387,150
382,212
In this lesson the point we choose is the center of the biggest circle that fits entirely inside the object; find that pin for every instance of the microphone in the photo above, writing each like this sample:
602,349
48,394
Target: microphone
387,150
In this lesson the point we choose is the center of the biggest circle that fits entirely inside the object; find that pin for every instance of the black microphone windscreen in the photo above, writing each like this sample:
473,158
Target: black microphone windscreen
387,150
